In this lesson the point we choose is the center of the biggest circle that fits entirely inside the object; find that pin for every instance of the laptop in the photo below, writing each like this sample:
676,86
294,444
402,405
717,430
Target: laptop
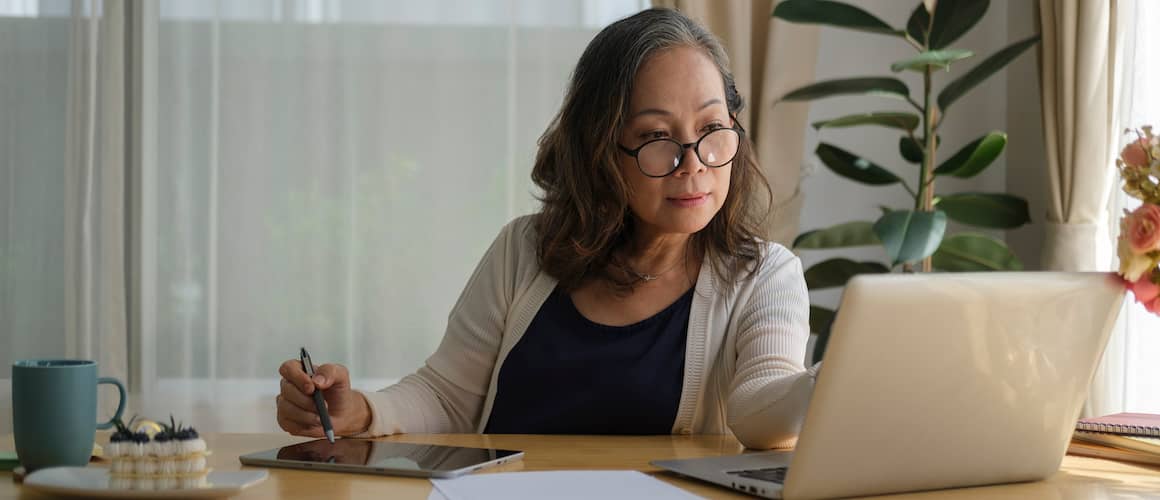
935,381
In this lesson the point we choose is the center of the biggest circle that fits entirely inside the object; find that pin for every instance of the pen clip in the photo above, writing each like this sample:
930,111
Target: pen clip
307,365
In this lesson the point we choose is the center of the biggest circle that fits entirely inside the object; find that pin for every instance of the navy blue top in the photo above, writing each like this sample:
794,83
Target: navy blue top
569,375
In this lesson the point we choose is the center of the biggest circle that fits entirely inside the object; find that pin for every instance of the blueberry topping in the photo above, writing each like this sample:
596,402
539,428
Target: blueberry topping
175,431
123,433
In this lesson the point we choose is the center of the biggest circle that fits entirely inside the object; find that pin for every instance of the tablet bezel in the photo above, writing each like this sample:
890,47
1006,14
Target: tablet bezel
262,458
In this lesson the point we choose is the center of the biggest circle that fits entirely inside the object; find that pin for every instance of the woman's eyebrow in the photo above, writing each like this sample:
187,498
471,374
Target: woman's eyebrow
662,112
650,111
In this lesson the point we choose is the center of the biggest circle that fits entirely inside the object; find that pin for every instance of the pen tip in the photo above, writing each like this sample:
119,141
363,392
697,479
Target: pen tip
330,436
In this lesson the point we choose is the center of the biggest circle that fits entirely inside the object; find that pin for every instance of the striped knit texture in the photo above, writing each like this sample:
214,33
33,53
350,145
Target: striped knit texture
753,334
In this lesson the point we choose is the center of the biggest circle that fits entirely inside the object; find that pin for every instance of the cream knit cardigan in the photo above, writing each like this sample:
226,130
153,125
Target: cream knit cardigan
743,359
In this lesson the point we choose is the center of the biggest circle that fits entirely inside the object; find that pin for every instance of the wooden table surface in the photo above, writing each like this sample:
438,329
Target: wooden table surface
1079,477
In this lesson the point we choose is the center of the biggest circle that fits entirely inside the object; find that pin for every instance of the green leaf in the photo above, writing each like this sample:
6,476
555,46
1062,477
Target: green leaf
953,18
975,252
901,121
851,166
837,271
850,234
832,13
820,319
912,151
821,326
991,210
974,157
940,59
909,236
918,23
885,209
887,87
963,84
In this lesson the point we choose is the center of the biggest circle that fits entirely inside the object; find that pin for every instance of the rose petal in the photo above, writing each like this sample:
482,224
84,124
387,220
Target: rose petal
1145,290
1143,228
1135,153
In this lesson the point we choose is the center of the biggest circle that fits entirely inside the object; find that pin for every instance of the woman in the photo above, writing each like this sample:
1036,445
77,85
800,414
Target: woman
638,300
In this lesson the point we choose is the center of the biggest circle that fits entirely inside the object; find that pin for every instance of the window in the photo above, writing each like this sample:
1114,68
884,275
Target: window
1132,378
325,173
328,174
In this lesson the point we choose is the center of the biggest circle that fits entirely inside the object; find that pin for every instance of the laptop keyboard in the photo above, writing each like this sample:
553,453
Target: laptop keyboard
772,474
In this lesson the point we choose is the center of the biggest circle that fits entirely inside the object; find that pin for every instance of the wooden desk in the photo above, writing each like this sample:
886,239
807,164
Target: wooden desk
1079,477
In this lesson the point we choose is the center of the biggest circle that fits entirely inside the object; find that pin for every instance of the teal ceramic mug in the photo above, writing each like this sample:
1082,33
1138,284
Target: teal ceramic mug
54,411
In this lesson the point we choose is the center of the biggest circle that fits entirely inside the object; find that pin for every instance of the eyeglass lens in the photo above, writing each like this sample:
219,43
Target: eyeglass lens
715,149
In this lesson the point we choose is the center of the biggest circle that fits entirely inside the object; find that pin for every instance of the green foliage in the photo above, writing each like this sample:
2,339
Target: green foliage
909,236
954,90
918,24
854,167
975,252
990,210
912,148
914,238
850,234
834,14
837,271
940,59
880,86
974,157
900,121
953,19
821,319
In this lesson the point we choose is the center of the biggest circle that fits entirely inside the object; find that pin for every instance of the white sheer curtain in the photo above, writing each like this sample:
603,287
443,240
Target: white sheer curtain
327,175
1129,376
315,173
62,215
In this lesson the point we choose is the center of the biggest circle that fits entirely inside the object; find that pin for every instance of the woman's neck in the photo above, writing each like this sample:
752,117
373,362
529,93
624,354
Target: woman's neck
656,254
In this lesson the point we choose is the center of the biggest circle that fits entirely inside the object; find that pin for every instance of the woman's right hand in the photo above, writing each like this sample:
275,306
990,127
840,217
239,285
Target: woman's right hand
350,413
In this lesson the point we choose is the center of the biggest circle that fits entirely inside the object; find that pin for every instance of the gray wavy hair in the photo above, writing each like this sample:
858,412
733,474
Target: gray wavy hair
585,216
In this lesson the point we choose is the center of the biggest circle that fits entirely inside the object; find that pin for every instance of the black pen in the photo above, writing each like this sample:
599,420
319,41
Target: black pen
319,403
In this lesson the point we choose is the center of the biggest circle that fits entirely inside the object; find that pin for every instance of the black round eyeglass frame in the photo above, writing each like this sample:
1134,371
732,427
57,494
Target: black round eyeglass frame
695,145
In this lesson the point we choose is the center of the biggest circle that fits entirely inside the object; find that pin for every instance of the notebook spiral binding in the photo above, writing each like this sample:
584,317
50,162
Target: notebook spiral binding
1135,430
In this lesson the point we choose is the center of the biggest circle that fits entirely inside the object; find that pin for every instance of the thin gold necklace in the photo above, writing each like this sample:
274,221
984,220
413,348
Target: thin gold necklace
653,277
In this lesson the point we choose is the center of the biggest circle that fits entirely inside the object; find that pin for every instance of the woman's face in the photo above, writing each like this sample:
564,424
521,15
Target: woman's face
678,94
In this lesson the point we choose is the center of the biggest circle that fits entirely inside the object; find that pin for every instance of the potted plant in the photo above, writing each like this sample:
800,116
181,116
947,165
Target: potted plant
915,237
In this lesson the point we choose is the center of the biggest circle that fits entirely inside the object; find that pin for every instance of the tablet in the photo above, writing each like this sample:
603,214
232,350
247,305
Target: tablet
382,457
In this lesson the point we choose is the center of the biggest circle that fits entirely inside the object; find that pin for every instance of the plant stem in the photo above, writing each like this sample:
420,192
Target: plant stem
916,106
914,43
907,188
925,200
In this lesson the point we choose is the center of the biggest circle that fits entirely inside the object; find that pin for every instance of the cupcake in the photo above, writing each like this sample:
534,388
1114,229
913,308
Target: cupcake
172,458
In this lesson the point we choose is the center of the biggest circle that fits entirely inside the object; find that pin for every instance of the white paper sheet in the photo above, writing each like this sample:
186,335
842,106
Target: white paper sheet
603,485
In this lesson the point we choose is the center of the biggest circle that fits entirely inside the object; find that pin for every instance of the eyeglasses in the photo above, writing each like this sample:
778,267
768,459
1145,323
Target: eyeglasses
661,157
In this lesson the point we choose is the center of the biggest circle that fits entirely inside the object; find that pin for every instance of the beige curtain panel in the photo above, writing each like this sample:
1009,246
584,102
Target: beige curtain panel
95,291
768,58
1077,79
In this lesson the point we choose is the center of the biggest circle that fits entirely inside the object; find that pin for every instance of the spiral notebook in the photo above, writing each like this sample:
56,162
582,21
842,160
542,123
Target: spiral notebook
1088,449
1131,424
1140,444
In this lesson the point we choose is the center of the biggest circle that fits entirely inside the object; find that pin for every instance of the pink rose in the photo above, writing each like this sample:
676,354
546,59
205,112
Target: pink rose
1143,225
1136,153
1146,292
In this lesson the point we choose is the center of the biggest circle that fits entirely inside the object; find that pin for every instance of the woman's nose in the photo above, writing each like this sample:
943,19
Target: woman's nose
689,163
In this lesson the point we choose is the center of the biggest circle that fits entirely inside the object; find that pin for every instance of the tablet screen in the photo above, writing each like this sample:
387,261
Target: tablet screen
385,454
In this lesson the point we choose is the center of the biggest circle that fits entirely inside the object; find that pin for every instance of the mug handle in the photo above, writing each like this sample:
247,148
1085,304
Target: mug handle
120,402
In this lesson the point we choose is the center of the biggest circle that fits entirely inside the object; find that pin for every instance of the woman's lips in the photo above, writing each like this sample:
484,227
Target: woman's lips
689,200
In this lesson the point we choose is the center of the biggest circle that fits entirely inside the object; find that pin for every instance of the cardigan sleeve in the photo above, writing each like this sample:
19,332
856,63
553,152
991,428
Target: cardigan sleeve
446,395
771,388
